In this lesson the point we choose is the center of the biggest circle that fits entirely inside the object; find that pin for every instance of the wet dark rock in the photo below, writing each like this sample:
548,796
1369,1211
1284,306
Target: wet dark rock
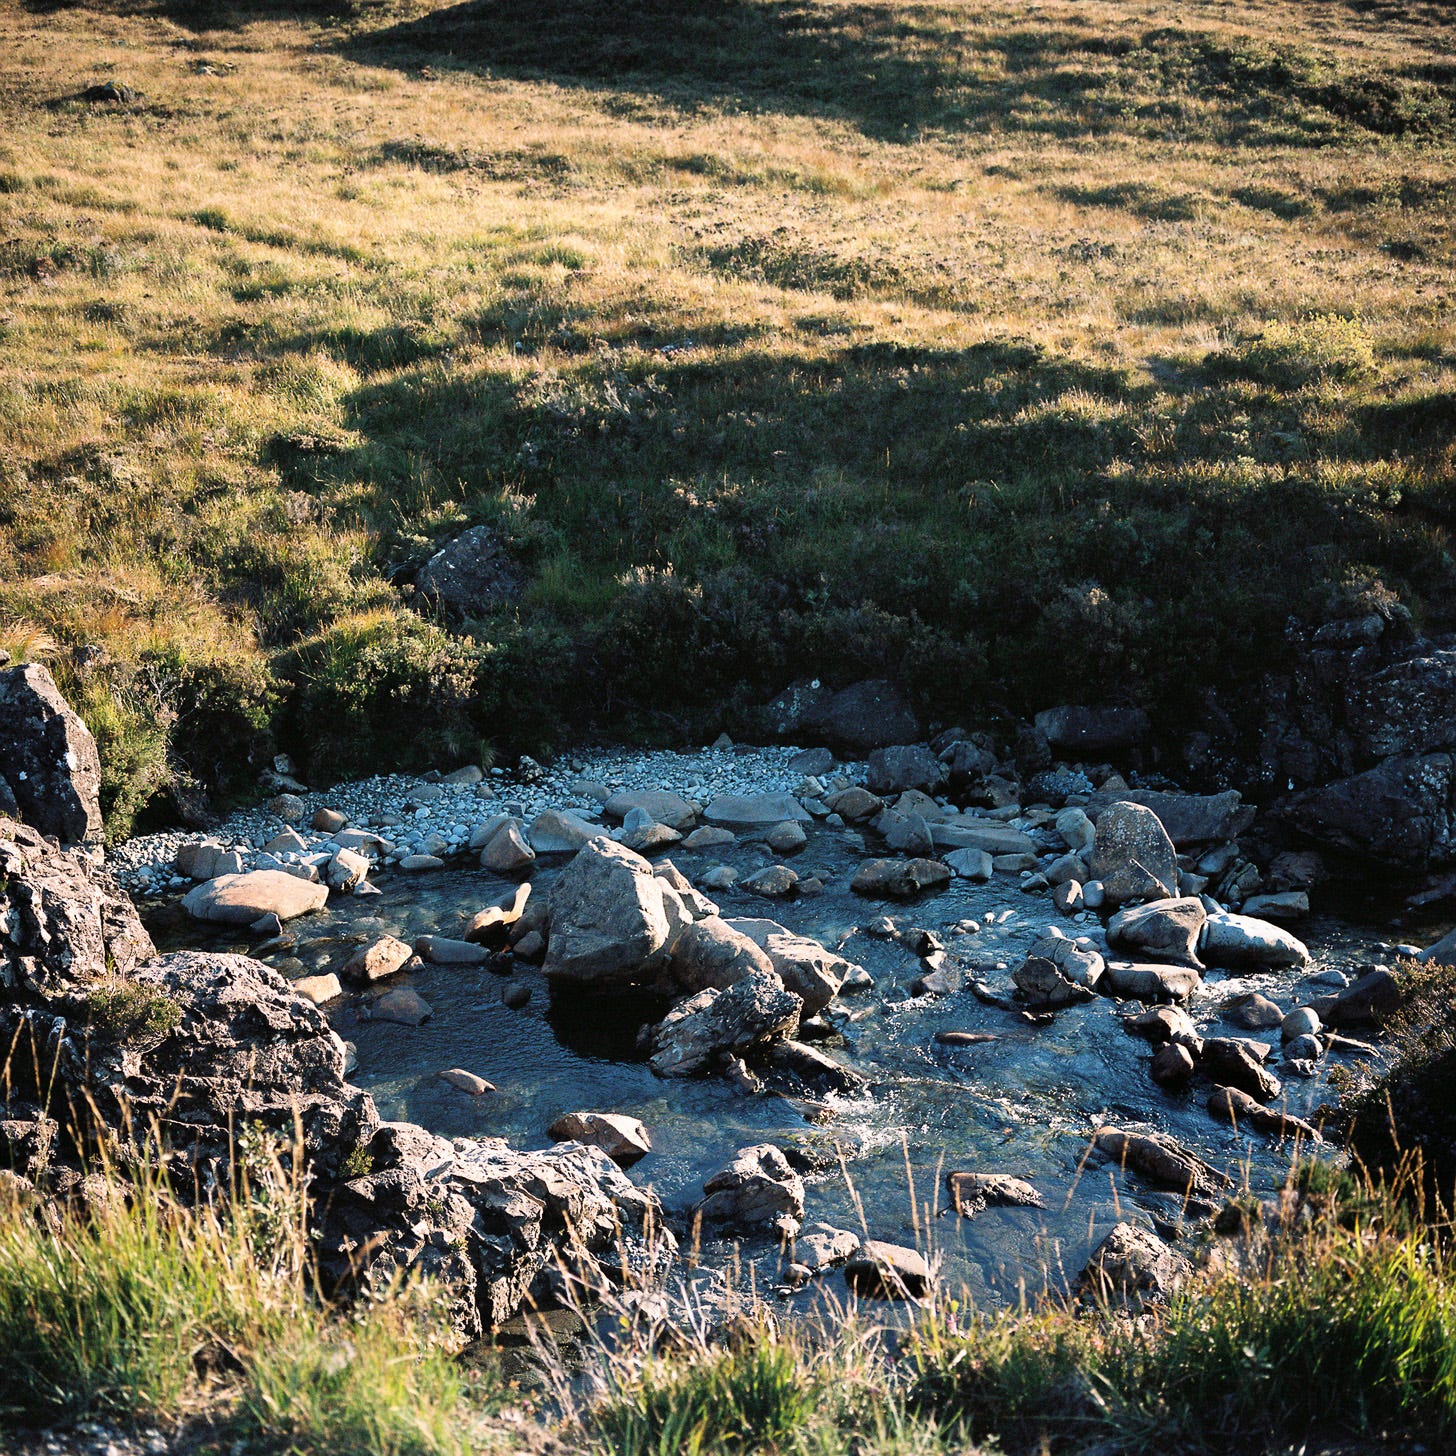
1232,1106
1172,1065
1230,1063
1160,1160
899,879
812,1067
1091,732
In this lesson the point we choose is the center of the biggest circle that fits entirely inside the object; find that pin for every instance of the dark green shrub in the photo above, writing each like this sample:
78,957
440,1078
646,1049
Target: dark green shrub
380,691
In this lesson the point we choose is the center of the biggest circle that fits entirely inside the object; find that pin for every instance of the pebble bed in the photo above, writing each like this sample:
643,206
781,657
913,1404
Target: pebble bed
435,817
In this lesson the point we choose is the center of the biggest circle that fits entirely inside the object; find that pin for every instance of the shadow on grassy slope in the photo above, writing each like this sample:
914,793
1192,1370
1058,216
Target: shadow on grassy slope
996,524
895,72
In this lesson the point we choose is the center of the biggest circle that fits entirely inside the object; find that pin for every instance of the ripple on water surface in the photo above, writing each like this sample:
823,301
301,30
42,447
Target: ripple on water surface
1023,1103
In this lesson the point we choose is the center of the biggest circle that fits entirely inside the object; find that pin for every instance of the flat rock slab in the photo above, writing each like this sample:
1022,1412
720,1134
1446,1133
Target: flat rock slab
242,899
660,805
993,838
755,811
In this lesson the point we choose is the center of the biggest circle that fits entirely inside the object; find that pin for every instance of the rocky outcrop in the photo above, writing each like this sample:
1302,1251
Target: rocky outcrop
1402,812
66,925
183,1055
50,772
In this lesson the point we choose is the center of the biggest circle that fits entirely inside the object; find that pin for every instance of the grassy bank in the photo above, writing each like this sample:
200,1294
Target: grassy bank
1337,1334
1022,352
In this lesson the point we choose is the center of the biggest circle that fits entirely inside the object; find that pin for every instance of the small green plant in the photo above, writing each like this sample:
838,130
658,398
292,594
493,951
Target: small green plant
359,1163
130,1012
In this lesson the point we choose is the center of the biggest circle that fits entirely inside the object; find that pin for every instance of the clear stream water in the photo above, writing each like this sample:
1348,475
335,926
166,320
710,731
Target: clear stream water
1023,1104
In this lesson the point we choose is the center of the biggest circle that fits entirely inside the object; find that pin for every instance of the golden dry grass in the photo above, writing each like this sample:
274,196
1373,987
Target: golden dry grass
840,302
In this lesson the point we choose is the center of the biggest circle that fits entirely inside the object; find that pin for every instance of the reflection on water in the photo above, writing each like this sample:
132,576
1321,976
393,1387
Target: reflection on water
1023,1103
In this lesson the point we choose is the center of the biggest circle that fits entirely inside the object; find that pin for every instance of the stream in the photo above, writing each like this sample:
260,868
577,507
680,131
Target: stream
1023,1103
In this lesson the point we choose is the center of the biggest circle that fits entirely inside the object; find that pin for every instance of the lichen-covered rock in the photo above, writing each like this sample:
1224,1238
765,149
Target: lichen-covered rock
49,767
1132,856
66,924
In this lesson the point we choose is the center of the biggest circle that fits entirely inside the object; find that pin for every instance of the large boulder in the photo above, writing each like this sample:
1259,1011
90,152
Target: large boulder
1091,732
697,1034
1133,856
613,921
242,899
50,772
623,1139
661,806
1189,819
1401,812
1242,943
1163,930
1132,1268
755,811
712,952
807,968
470,575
